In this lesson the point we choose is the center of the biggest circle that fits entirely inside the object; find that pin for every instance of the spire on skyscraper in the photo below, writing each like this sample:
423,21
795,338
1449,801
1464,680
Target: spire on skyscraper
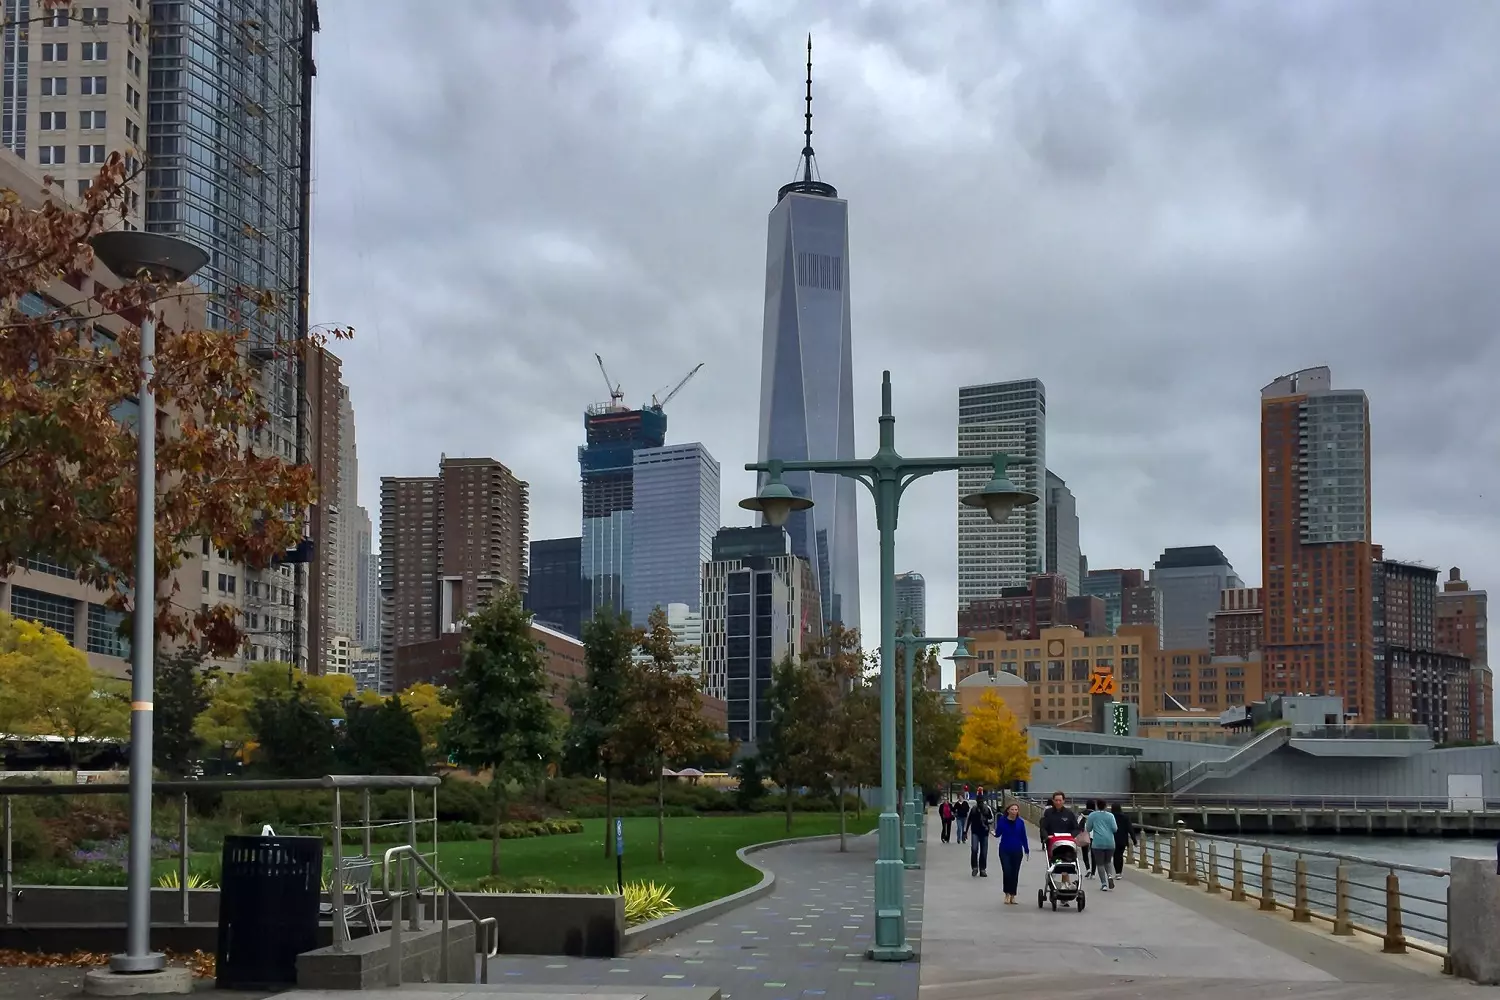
807,184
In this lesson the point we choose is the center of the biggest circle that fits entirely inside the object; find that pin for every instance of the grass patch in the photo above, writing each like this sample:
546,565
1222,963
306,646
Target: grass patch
700,866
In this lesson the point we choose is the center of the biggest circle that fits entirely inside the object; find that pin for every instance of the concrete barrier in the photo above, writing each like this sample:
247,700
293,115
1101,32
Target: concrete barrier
579,926
1474,920
364,963
91,904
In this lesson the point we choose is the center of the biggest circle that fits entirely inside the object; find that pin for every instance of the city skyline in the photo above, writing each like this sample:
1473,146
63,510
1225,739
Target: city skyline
1057,273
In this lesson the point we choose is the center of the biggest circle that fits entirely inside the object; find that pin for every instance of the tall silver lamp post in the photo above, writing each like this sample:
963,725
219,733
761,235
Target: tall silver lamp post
887,474
133,255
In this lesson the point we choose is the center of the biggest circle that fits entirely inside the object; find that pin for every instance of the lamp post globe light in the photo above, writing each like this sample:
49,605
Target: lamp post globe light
158,257
886,474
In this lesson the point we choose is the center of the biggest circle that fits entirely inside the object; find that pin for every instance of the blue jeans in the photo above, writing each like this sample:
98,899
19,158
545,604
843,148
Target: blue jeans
979,850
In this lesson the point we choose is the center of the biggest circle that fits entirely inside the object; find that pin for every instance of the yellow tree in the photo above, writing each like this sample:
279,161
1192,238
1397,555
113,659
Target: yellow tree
227,720
425,703
992,750
47,689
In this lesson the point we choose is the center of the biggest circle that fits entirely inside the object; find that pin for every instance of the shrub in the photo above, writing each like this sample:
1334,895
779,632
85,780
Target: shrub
645,901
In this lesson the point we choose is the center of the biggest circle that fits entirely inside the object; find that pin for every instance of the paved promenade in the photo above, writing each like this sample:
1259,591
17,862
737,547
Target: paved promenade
1148,938
806,939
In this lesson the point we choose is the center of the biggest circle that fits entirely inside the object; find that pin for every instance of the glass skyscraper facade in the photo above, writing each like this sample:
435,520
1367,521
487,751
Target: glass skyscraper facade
807,381
676,515
1009,417
554,585
613,434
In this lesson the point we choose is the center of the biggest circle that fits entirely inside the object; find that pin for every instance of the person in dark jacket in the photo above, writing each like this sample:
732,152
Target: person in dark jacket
1011,844
945,813
1125,836
981,820
1057,818
961,814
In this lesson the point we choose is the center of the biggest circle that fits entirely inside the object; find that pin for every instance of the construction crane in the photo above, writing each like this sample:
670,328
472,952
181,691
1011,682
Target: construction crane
616,393
658,404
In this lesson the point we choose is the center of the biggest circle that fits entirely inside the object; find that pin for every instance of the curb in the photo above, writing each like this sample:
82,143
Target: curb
662,928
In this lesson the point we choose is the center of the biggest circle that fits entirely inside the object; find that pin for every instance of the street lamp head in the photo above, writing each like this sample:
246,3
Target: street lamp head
776,501
129,253
1000,496
961,655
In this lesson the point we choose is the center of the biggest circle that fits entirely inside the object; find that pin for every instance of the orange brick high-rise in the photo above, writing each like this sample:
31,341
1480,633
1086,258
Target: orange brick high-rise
1315,540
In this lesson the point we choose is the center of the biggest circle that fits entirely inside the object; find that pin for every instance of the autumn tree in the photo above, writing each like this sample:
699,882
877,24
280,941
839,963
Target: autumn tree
47,689
69,374
993,750
936,731
227,722
597,705
428,711
797,747
294,735
837,660
502,719
662,719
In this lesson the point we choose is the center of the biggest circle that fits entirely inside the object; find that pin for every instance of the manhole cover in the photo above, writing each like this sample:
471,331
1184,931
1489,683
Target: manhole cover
1120,954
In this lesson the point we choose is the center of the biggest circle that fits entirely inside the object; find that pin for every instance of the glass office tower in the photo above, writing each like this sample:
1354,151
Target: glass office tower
676,516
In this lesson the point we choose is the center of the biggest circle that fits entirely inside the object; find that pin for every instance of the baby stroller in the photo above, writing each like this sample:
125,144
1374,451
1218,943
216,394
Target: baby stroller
1064,879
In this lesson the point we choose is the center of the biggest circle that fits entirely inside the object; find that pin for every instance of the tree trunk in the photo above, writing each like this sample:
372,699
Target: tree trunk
609,809
497,790
661,810
786,789
859,800
843,847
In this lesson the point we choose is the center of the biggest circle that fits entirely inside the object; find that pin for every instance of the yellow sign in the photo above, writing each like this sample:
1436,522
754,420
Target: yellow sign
1103,683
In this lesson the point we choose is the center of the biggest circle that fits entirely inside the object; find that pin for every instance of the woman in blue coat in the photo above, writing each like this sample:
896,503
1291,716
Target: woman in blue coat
1012,844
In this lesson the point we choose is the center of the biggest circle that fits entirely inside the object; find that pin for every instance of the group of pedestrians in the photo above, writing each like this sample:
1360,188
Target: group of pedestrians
1102,832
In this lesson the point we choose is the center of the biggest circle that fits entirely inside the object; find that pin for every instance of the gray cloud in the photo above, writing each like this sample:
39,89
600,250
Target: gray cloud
1155,207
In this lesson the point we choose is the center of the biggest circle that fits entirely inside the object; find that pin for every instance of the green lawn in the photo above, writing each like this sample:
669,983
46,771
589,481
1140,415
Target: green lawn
700,866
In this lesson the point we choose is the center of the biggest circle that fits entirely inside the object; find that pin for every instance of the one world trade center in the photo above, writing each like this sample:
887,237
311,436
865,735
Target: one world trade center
807,374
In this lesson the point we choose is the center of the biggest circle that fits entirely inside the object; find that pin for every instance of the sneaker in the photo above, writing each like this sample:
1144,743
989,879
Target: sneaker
984,874
973,873
1104,888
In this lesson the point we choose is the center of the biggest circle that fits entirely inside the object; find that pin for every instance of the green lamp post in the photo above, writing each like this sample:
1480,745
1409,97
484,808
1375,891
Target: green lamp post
911,642
887,474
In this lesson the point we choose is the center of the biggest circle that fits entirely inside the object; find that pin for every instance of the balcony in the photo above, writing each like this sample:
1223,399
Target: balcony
1393,740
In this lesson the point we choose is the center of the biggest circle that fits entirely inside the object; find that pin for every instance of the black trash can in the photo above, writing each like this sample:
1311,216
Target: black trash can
269,894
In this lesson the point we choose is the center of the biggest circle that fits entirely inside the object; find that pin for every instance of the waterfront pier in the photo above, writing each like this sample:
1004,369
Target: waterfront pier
1297,815
1151,937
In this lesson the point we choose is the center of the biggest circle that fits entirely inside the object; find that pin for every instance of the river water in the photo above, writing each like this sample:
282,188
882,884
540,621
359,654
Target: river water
1424,906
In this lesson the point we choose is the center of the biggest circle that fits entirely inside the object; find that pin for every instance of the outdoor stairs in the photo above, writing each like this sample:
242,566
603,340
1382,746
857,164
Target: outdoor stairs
1256,750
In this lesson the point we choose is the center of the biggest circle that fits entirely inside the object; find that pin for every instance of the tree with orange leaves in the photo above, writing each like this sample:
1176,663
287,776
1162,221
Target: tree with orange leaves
68,459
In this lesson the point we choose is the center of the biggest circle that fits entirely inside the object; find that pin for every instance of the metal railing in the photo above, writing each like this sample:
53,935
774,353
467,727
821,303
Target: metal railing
182,791
1404,905
485,948
1382,731
1323,803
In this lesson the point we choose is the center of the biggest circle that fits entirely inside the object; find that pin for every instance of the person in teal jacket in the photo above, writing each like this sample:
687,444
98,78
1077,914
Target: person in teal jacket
1102,831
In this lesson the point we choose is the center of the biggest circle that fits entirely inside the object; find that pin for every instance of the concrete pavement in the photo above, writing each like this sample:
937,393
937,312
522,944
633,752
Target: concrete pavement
1147,938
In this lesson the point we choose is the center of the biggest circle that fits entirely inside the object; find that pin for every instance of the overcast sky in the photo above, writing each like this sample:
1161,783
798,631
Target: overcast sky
1154,207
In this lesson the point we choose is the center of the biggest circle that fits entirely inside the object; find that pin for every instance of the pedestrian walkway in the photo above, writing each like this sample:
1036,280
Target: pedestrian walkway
1148,937
806,939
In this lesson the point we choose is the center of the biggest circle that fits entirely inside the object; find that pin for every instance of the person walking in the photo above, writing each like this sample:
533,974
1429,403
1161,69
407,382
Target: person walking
945,813
961,814
1057,818
1085,839
1125,837
1012,845
1101,827
981,821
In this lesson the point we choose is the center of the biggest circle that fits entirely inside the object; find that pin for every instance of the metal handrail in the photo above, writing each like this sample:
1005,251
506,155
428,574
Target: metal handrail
491,944
1253,801
1188,863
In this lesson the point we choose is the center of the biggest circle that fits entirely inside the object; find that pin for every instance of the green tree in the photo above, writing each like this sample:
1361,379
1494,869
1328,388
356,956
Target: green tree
663,720
797,748
502,719
751,783
598,704
383,739
429,711
182,694
294,737
227,722
837,660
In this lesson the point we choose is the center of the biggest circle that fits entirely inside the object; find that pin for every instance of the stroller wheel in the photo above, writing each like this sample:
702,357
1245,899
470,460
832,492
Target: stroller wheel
1041,898
1081,900
1054,904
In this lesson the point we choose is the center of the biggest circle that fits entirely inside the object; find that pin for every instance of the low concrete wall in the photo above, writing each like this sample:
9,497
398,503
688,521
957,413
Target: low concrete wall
364,963
653,931
87,904
580,926
1474,920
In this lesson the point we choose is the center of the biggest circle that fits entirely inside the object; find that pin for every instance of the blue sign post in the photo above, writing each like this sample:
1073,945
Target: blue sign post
620,854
